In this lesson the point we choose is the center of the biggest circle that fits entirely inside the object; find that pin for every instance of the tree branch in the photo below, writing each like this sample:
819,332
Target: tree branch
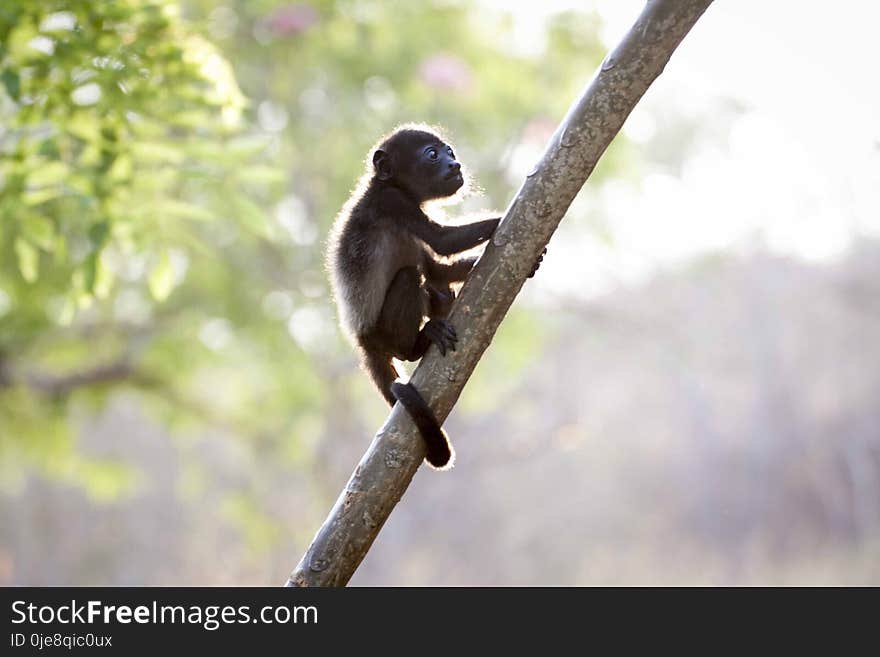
62,384
396,452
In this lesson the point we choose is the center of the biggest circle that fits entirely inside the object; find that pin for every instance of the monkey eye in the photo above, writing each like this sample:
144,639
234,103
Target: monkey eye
431,153
451,154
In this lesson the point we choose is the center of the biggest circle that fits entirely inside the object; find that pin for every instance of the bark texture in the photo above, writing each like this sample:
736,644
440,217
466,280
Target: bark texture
396,452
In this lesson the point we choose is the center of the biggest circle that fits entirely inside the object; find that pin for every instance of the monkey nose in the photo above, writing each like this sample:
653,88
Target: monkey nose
454,166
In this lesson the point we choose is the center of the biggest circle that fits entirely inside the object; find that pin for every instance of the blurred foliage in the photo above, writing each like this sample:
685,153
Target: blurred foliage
168,173
122,148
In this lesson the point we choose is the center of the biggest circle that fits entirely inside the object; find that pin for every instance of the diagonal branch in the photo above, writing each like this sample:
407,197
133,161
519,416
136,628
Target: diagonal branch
396,452
114,371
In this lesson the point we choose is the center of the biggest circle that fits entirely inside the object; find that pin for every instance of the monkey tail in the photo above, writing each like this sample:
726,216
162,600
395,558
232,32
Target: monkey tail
381,369
439,452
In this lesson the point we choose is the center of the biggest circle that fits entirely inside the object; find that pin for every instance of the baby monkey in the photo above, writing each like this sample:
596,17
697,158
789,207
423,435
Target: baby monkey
392,268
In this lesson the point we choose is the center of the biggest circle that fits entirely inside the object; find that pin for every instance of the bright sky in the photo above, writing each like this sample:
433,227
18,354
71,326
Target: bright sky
800,171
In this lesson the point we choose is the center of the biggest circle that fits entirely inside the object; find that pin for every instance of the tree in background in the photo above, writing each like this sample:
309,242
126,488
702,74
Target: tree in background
162,230
161,276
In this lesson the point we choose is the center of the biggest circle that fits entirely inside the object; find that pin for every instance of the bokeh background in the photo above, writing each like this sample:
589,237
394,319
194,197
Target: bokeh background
687,393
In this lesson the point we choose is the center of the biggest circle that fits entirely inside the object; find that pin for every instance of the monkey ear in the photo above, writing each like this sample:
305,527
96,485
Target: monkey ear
382,165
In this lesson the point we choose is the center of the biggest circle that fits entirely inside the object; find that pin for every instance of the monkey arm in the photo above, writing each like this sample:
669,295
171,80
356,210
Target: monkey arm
451,272
439,276
447,240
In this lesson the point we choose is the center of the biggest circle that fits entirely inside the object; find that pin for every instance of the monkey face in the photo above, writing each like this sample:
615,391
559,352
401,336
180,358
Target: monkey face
430,171
440,170
420,162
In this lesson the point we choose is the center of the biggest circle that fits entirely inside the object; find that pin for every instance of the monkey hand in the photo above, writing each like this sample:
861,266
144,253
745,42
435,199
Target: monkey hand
491,225
538,262
441,333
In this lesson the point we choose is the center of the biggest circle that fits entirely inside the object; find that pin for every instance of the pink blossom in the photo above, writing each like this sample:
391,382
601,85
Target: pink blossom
445,71
291,19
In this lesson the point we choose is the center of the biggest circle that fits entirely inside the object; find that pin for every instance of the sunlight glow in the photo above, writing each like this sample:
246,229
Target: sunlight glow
797,172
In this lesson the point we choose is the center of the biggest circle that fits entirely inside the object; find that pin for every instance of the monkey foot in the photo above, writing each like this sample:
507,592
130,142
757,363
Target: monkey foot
441,333
538,263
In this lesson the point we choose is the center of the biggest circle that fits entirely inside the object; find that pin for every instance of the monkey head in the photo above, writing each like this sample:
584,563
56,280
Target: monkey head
419,162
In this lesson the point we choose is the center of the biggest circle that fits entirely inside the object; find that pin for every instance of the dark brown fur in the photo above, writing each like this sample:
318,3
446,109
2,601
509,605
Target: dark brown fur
393,268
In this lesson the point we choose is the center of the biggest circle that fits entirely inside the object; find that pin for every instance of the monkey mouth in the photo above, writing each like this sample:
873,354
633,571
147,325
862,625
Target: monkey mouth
455,176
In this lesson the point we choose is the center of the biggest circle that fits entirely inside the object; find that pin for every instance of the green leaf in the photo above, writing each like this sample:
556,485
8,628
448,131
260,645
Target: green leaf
121,169
50,173
40,231
67,312
261,174
83,125
97,278
38,196
98,233
247,145
190,119
103,279
89,271
157,152
161,279
184,210
18,42
28,260
251,216
81,184
12,83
